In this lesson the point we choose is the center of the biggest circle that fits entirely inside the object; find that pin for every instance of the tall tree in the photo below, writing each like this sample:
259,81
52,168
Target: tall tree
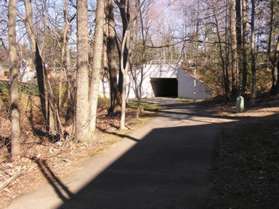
244,44
233,35
14,71
82,97
47,106
238,23
65,52
124,70
124,7
272,45
112,57
98,51
222,54
252,52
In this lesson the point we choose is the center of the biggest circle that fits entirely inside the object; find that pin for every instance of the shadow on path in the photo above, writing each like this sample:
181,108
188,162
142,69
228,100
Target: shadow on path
60,189
169,168
115,133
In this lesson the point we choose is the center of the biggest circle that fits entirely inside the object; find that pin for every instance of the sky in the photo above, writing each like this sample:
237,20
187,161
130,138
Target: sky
167,15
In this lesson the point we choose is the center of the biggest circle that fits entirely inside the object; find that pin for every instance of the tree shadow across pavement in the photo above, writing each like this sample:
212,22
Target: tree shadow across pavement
169,168
116,133
59,187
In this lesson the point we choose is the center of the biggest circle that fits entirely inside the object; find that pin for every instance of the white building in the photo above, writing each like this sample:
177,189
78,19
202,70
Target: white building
162,80
26,73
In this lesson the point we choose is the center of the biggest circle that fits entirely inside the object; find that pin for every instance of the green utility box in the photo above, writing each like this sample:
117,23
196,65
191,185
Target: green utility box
240,106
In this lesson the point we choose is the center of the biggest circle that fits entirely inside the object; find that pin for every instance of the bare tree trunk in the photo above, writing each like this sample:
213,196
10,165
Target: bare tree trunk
29,24
253,56
227,53
142,57
234,53
64,50
269,42
128,17
120,85
276,63
66,76
113,58
66,60
124,69
14,71
123,105
238,22
244,44
226,80
82,98
124,6
40,70
98,49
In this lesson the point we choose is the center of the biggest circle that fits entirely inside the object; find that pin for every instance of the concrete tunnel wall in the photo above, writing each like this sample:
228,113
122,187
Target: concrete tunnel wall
185,82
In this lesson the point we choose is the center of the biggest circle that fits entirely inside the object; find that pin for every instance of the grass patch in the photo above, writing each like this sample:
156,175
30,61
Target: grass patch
188,100
145,105
26,88
247,168
4,88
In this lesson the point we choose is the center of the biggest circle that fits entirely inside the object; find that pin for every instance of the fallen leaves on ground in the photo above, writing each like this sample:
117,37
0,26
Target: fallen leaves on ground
247,167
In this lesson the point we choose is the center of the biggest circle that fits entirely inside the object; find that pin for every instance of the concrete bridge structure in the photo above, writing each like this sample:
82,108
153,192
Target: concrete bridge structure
162,80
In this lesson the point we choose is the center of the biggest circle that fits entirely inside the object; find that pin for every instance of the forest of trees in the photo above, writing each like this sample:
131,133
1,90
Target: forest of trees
84,41
240,42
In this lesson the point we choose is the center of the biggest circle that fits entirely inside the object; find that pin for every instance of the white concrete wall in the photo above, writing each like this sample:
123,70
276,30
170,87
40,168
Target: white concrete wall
26,73
162,71
187,88
150,71
185,82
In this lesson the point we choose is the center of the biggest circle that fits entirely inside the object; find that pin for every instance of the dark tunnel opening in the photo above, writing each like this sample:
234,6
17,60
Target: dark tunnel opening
165,87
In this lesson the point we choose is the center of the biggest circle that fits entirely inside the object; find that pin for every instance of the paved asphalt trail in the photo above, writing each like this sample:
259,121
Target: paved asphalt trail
164,165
